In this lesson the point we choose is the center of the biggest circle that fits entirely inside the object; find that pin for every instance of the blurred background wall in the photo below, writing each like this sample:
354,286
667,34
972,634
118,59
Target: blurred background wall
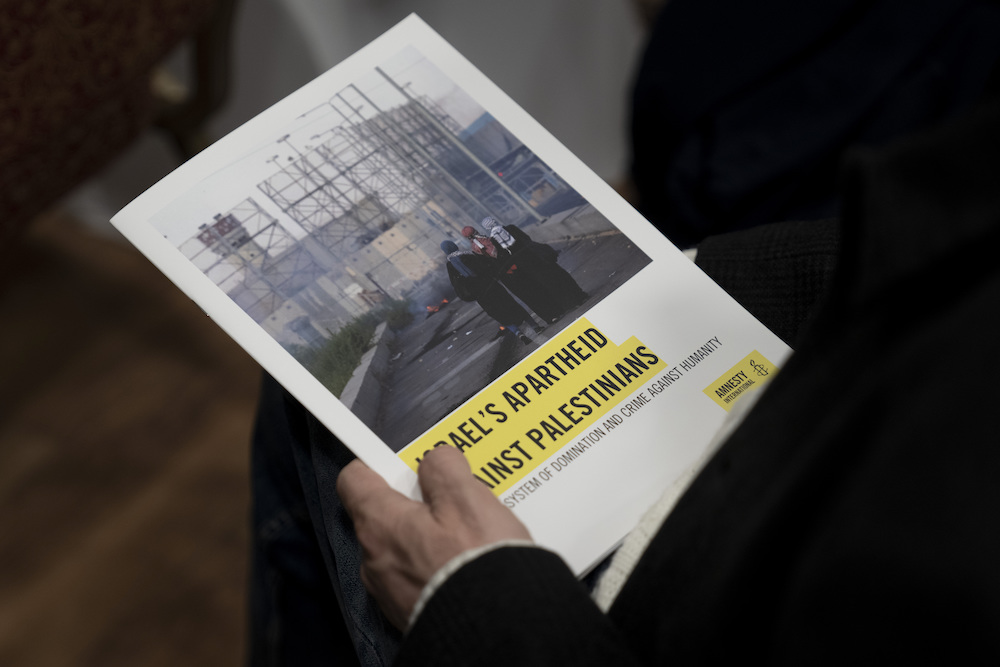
567,62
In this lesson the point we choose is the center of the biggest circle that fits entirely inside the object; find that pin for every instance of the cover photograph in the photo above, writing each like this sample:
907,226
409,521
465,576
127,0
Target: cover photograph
421,264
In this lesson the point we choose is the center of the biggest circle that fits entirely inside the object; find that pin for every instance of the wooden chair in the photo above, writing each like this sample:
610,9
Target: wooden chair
76,88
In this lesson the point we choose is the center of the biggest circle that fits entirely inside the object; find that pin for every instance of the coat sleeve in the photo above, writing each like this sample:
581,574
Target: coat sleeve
513,606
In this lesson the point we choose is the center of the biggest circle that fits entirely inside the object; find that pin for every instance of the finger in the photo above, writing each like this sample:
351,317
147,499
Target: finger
374,507
456,497
356,484
447,483
444,475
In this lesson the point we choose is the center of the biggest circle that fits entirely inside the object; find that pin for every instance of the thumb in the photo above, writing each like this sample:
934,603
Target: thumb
456,498
444,475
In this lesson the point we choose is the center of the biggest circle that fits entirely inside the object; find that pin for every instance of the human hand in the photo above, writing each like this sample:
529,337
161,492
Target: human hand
406,541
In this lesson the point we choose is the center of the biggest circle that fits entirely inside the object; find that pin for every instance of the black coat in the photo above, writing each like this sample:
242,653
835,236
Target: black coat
483,288
854,514
531,272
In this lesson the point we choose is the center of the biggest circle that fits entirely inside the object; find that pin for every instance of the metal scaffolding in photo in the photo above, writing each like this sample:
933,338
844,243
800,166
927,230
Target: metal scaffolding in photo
253,259
373,196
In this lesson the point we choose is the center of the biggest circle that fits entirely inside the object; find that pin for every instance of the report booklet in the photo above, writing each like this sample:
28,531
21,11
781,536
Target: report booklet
421,264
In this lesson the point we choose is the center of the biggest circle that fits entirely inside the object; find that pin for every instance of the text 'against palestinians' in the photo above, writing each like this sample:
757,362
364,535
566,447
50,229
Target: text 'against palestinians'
541,404
559,462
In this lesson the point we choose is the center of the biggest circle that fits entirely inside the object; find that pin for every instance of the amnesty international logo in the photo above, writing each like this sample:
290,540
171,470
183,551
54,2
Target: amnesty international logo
751,373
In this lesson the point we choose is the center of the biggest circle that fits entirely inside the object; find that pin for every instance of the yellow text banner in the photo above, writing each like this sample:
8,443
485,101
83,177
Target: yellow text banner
541,404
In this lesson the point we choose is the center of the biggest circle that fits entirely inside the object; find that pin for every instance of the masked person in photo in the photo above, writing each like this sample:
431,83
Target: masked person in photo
480,244
531,272
474,278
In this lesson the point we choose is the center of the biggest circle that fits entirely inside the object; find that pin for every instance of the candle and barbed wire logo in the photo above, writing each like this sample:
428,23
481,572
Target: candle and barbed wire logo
751,373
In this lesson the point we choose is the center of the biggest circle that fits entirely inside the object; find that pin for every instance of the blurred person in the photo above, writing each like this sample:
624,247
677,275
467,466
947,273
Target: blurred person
850,512
849,515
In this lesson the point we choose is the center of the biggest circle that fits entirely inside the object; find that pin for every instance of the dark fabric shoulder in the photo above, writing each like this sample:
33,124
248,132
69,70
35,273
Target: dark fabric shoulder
520,236
779,272
851,513
742,112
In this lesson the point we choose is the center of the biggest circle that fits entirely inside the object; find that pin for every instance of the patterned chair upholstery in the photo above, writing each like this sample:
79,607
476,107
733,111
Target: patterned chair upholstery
75,88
